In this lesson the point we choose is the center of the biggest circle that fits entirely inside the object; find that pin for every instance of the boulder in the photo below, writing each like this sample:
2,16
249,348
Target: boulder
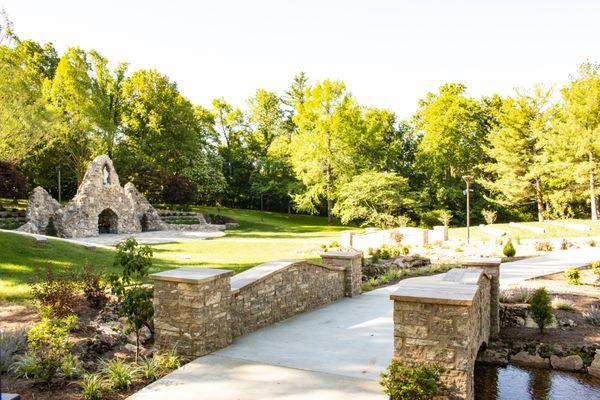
145,335
568,363
493,357
594,368
525,359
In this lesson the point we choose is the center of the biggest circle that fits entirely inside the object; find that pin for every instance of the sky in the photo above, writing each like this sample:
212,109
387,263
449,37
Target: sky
389,53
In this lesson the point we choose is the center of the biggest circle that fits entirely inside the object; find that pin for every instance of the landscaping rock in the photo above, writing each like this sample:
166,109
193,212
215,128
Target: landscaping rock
493,357
594,368
131,348
145,335
525,359
568,363
110,332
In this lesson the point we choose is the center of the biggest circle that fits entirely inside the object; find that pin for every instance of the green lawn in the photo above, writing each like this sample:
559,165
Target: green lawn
255,242
552,231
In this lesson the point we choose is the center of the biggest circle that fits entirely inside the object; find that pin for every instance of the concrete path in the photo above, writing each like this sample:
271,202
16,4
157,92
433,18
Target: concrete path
557,261
334,352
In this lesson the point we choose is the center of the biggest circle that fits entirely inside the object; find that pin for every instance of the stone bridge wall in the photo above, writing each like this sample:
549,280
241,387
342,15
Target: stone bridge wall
201,310
444,319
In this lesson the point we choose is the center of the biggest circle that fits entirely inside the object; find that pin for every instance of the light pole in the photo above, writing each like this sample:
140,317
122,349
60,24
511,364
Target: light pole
468,179
59,190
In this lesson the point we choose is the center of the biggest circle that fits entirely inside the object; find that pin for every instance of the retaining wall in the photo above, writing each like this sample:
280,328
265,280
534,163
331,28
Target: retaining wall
201,310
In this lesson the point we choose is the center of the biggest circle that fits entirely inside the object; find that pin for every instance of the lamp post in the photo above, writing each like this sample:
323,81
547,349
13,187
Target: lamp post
59,189
468,179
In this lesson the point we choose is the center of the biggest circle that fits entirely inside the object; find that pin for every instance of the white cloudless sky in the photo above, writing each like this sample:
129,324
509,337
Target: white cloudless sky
389,53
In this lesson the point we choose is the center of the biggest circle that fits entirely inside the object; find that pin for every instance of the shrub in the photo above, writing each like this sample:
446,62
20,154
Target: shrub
55,290
591,243
168,361
70,366
135,300
445,216
540,308
489,216
11,342
151,369
562,304
393,274
397,237
593,316
565,244
119,374
92,387
47,343
509,249
419,383
517,294
572,276
383,280
334,245
543,246
12,181
596,269
27,366
93,286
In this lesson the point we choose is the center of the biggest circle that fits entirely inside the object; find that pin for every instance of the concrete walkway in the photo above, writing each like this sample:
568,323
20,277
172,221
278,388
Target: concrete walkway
334,352
558,261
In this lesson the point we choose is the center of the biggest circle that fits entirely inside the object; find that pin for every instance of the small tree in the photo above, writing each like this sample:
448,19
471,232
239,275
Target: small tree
572,276
135,299
445,217
419,383
541,308
509,249
12,181
489,216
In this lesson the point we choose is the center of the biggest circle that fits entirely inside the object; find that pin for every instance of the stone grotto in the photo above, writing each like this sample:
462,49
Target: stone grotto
101,205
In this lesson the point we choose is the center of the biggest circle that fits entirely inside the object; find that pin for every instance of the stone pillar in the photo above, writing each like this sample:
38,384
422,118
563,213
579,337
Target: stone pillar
192,310
347,239
491,267
436,332
351,262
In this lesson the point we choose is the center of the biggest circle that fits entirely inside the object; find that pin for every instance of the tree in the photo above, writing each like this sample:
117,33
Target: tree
69,98
329,120
107,100
516,148
373,198
135,299
12,181
452,129
540,308
26,125
580,126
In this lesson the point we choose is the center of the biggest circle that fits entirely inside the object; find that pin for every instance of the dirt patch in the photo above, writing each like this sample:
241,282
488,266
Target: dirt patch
17,316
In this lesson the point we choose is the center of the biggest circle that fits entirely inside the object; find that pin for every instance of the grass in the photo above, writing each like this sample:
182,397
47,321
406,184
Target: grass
551,231
255,242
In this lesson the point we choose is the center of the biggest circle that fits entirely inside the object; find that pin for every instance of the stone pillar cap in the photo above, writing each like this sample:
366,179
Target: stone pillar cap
480,261
191,274
341,254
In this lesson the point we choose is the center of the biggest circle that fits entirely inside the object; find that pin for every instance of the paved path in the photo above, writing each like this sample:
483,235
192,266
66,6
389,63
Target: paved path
557,261
334,352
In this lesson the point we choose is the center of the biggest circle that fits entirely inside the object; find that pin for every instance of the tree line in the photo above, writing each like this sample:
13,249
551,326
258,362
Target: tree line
312,148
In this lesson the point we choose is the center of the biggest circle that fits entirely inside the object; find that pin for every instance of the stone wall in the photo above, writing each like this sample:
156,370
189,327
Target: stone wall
200,310
374,238
283,290
444,319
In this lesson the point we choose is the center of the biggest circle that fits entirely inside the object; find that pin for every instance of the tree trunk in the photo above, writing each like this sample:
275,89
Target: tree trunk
593,200
539,199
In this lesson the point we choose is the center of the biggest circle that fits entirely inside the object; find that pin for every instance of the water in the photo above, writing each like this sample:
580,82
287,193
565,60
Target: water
515,383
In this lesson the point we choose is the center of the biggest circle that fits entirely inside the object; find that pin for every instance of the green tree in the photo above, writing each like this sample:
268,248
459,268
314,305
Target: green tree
516,147
135,299
580,128
452,129
107,100
329,120
541,308
69,97
373,198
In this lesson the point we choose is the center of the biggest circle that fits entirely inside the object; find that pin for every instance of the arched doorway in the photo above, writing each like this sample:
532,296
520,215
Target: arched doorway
107,221
144,223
